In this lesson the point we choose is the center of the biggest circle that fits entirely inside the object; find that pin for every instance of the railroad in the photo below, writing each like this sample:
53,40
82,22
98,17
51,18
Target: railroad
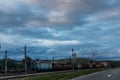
31,75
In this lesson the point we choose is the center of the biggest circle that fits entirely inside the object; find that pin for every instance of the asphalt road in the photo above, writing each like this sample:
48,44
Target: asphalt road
113,74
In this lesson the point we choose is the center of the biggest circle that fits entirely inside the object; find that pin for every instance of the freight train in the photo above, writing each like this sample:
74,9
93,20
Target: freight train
56,66
49,66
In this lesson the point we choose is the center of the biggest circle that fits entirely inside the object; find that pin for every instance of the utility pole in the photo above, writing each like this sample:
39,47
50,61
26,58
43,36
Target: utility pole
73,59
74,63
6,58
53,62
53,59
6,62
25,57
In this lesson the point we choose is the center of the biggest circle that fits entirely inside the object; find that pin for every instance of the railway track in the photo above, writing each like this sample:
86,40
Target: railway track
31,75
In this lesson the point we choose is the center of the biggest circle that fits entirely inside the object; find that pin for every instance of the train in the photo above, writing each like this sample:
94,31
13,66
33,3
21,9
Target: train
49,66
52,66
42,66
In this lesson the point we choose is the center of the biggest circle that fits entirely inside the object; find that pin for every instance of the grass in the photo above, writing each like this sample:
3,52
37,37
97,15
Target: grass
64,76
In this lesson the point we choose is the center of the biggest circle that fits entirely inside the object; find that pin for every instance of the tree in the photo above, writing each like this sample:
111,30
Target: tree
29,60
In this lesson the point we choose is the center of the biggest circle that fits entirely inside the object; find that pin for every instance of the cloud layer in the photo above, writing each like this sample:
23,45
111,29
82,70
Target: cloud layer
54,27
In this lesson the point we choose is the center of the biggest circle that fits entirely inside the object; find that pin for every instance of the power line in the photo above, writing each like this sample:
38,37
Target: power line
25,50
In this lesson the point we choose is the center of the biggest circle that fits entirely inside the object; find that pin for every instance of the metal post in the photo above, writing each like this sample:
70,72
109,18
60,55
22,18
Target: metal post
53,59
25,53
73,59
6,62
53,62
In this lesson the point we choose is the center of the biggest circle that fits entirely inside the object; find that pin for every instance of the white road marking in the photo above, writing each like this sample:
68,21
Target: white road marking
109,75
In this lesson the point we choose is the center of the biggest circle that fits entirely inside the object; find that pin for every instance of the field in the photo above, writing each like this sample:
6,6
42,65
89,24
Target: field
64,76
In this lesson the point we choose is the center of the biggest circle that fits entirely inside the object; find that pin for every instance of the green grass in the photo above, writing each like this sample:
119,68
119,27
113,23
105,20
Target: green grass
64,76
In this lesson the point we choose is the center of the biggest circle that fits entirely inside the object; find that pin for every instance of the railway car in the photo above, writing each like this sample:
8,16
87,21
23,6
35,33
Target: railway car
48,66
42,66
59,66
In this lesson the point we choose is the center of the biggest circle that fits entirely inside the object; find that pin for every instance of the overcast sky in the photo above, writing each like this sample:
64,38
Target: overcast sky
54,27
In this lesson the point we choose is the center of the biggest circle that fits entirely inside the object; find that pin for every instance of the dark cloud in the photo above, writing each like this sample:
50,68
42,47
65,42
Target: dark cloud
54,27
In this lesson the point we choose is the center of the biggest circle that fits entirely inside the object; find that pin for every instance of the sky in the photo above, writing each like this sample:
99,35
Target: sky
54,27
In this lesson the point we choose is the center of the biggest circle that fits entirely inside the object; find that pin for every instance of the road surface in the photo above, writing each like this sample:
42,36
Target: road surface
113,74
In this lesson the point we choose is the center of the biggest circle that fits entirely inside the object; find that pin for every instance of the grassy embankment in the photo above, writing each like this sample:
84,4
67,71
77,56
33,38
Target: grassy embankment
64,76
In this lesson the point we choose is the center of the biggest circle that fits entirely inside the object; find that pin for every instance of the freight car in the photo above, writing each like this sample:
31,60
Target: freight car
59,66
93,65
48,66
41,66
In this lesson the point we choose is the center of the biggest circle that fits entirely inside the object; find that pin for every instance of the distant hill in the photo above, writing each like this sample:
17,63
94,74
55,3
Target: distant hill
85,60
79,60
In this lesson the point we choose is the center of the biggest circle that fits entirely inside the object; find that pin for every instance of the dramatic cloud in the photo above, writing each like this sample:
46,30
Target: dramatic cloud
54,27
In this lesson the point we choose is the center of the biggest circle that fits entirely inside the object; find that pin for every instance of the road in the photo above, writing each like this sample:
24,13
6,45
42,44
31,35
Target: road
113,74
